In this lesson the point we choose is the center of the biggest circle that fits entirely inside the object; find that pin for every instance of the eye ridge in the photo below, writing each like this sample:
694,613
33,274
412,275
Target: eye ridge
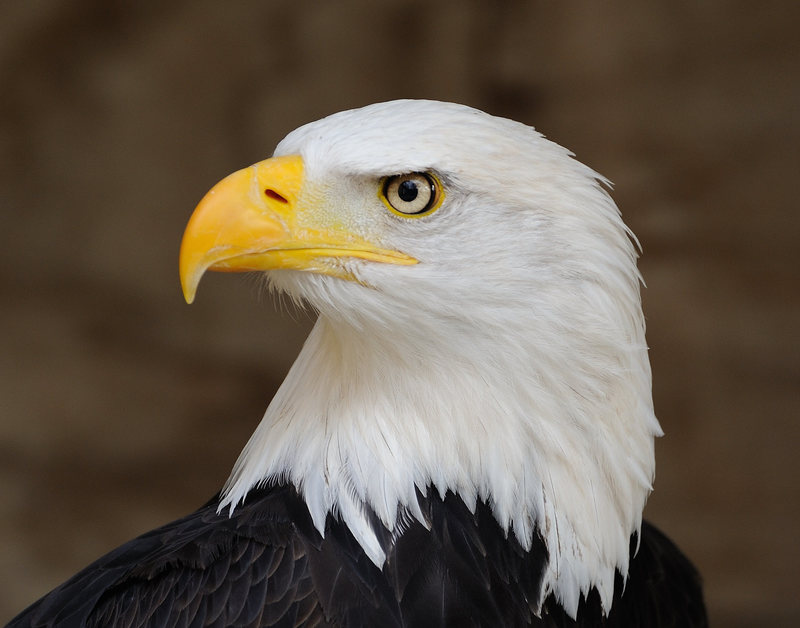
411,194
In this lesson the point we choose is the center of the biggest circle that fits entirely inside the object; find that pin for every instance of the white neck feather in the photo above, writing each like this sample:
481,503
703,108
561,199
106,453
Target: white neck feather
556,436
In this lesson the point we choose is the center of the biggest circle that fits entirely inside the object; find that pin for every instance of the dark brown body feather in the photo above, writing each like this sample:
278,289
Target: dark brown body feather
266,565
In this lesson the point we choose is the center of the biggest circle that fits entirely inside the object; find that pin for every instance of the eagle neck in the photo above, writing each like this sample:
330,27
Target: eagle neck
362,423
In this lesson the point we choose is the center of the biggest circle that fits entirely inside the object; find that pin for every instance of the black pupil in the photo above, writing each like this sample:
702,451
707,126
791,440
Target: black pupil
407,191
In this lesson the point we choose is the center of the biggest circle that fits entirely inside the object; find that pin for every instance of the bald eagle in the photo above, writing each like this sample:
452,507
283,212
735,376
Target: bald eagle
466,437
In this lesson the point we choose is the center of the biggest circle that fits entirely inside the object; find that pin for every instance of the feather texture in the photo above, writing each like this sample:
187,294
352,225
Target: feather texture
267,565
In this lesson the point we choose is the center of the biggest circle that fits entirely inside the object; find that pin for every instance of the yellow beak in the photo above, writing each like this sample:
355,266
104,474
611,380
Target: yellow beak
255,219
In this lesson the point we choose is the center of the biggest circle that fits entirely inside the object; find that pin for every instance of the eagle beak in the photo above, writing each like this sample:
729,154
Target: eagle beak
255,220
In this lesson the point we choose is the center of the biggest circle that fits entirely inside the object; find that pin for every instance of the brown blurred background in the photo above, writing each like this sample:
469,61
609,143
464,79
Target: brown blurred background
122,408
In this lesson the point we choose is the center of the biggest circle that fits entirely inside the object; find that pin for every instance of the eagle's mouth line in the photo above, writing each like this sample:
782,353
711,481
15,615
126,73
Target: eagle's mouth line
309,253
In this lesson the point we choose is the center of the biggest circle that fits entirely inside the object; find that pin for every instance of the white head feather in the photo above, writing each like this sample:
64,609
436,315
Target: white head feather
509,365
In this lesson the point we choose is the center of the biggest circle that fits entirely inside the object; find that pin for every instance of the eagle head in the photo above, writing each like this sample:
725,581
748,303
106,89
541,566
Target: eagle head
480,330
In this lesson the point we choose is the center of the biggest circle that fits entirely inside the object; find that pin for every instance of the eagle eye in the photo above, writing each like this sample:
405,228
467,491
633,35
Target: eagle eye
413,194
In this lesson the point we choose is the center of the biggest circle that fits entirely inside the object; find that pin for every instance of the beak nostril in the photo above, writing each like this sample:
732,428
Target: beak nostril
270,193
